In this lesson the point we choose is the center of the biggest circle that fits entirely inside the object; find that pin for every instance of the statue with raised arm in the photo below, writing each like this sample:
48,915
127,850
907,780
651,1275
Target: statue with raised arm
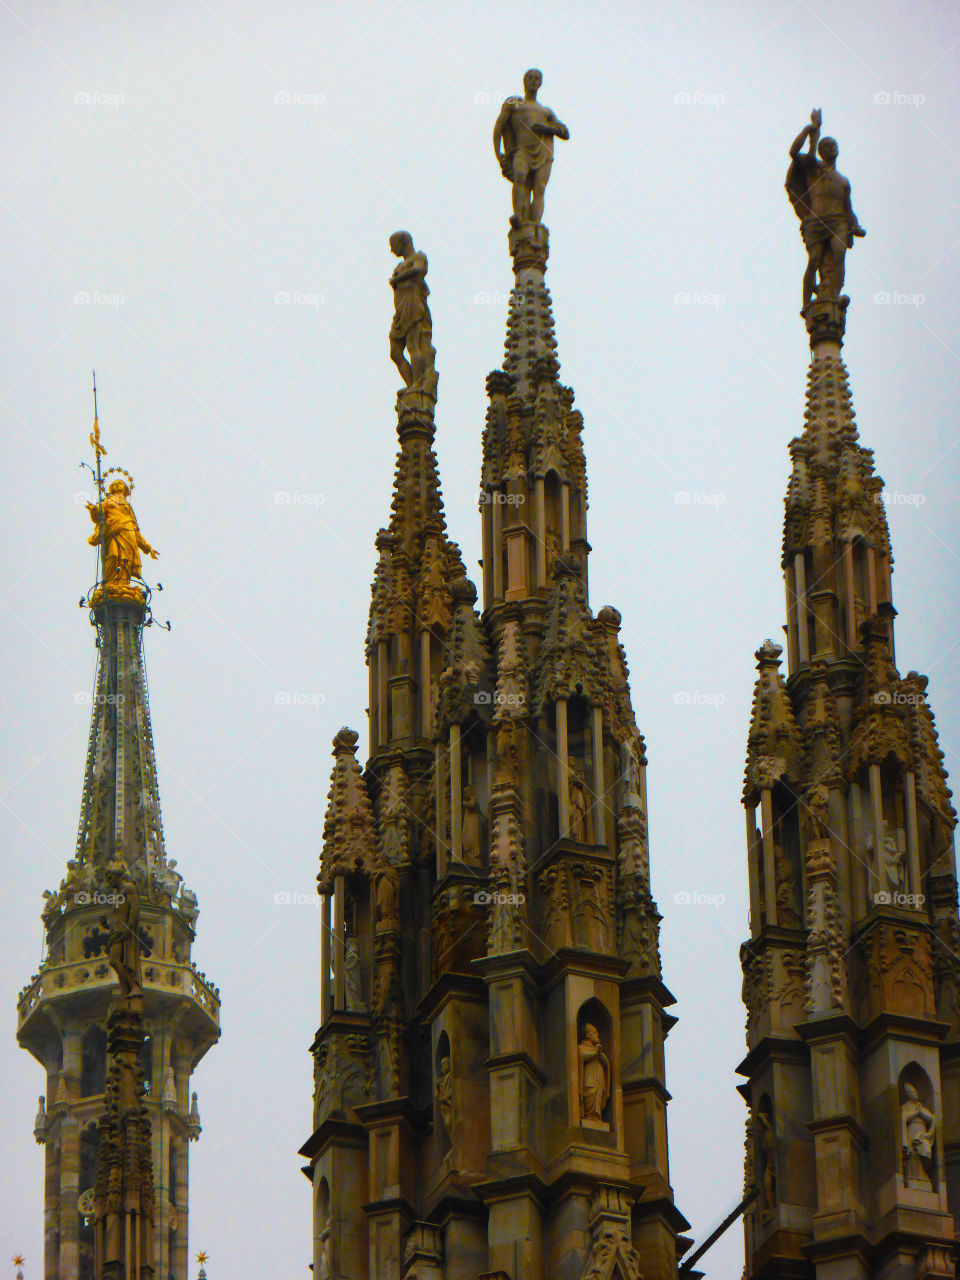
523,143
118,535
821,200
412,330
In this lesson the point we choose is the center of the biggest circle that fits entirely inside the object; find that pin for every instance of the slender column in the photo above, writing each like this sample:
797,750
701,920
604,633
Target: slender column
563,783
426,689
324,959
789,584
803,625
486,550
565,515
541,533
456,796
769,869
753,868
913,835
381,693
600,791
851,596
872,579
339,958
497,551
876,812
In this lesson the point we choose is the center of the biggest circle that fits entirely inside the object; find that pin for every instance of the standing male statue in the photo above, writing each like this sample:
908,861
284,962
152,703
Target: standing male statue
527,128
821,200
412,328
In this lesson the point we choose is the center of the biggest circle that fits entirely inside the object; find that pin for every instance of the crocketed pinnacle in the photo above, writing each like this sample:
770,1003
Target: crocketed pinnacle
530,324
833,493
349,830
774,743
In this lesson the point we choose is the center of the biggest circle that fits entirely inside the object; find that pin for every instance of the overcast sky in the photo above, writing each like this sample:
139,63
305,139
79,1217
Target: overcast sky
196,201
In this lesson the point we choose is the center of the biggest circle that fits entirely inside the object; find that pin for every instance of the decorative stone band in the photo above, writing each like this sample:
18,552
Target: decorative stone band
826,322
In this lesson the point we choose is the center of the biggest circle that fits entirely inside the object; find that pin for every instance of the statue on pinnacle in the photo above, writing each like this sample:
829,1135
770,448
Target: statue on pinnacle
525,131
412,329
821,200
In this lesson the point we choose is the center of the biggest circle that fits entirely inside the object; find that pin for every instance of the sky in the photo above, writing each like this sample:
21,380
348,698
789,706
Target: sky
196,200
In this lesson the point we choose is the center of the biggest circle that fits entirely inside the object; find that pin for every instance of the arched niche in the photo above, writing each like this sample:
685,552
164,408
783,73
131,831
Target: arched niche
919,1129
594,1066
443,1092
766,1156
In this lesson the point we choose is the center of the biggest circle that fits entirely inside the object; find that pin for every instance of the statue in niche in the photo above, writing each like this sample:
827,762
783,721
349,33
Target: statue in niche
768,1157
919,1128
412,328
353,987
471,833
434,594
554,549
323,1268
788,912
888,864
122,923
386,900
821,200
818,811
526,129
444,1092
579,803
594,1075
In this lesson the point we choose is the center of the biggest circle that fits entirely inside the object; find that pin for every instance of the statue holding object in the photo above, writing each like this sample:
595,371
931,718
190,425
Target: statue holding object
821,199
525,131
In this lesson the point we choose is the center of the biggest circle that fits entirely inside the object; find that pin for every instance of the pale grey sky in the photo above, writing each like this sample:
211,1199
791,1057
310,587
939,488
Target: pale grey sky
149,166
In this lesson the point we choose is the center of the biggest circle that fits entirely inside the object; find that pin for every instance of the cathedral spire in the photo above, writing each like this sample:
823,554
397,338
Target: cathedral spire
119,1118
490,1054
851,972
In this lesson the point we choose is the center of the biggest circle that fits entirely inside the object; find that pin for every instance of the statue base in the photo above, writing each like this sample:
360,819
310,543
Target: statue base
529,246
826,321
416,404
600,1125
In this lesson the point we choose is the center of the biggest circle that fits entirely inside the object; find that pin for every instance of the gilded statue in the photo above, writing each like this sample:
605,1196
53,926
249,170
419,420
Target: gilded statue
523,143
118,535
412,329
594,1073
821,200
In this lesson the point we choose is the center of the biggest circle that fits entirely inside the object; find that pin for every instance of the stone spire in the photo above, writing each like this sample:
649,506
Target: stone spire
489,1078
97,1053
851,972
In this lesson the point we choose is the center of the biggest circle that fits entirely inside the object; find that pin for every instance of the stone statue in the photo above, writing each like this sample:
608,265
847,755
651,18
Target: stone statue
821,199
445,1096
386,900
579,803
352,977
788,912
888,864
919,1129
323,1266
768,1152
188,906
412,328
120,540
122,923
818,811
594,1071
526,129
471,836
